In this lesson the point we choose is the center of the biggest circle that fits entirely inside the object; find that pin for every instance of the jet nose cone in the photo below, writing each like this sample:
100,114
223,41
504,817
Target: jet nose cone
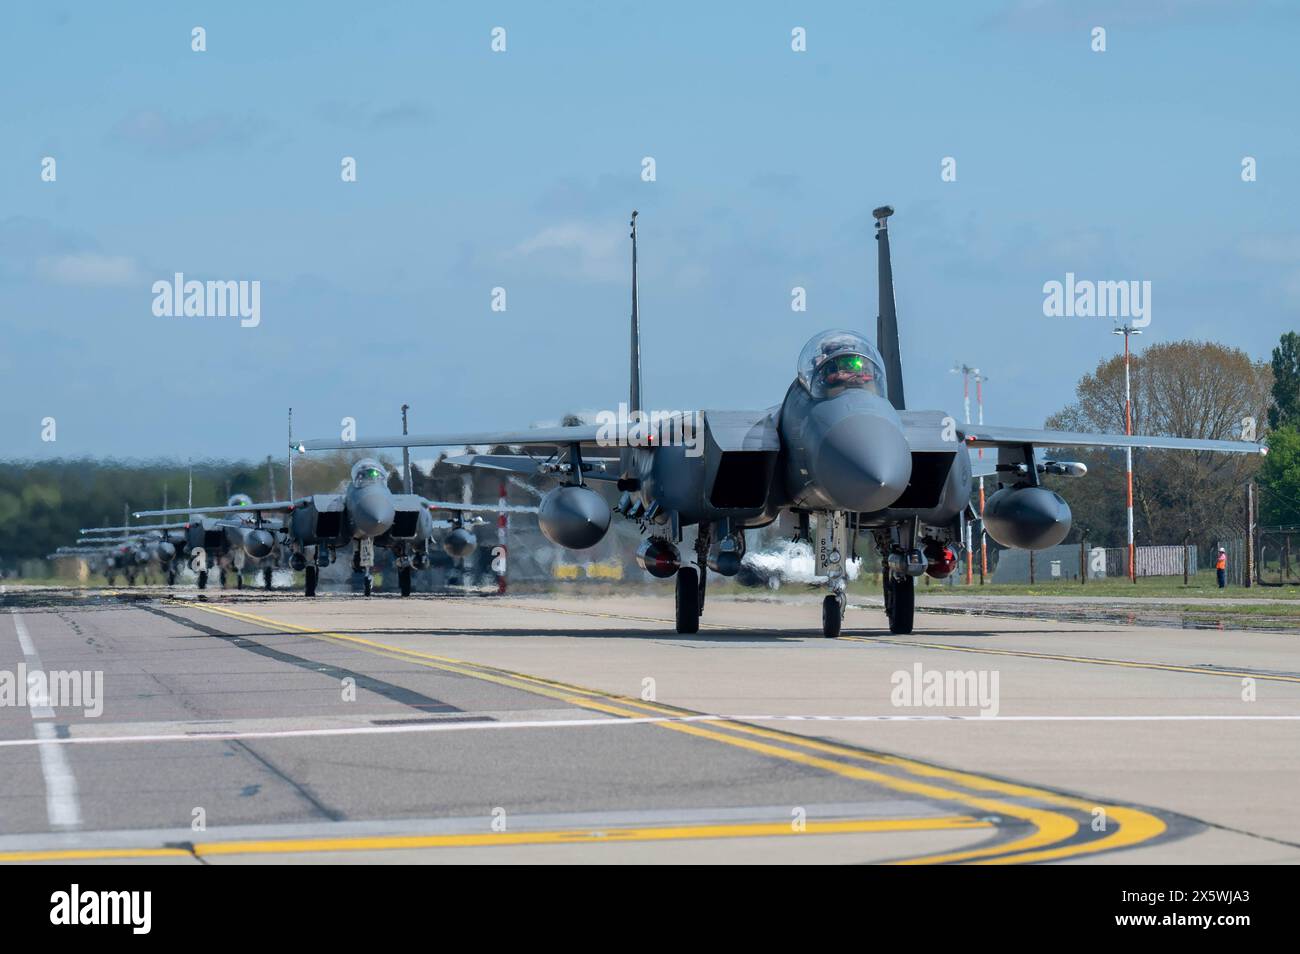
258,543
864,462
373,513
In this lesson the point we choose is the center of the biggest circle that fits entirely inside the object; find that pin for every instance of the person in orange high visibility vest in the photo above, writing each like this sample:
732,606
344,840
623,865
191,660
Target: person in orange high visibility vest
1221,567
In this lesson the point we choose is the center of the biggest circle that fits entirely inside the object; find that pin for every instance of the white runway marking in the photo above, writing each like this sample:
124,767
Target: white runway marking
61,802
210,736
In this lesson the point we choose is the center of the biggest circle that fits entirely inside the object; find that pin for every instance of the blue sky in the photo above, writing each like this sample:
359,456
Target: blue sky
518,169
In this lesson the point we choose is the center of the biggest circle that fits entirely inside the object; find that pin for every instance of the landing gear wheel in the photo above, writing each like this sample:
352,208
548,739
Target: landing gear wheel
688,600
266,578
900,605
203,579
369,582
404,580
311,581
171,577
832,616
221,578
239,581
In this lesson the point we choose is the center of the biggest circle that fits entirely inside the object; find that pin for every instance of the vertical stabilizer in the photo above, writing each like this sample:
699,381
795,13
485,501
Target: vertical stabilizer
887,317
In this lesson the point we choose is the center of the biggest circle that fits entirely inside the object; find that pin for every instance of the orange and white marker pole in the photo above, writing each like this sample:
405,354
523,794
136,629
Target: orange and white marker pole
502,526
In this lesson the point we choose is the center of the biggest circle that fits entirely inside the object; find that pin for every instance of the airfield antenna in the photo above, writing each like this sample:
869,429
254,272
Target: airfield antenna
1126,331
634,397
189,502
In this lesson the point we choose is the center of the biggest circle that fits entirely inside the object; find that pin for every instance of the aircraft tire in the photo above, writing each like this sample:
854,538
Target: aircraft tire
239,581
266,577
404,580
902,606
832,616
171,577
688,600
203,579
368,584
311,581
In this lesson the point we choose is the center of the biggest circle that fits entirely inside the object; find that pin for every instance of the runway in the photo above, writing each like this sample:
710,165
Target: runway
243,728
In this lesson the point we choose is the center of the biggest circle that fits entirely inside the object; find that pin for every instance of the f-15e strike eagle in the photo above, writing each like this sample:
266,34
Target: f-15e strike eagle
366,513
842,446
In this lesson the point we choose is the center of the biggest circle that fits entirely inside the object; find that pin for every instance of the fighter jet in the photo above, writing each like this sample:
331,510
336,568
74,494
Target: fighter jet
237,536
841,446
131,555
366,513
160,542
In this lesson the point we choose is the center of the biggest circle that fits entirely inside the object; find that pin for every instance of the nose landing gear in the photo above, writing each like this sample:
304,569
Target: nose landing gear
832,614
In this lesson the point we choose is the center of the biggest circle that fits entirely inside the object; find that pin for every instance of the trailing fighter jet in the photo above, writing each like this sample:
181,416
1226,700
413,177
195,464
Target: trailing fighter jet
161,542
841,446
236,536
366,513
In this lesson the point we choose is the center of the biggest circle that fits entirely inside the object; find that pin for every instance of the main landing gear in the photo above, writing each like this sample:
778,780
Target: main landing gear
688,600
266,578
900,603
312,574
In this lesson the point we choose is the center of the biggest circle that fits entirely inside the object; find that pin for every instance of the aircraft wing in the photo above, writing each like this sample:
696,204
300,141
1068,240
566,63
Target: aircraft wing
596,468
535,436
138,526
282,506
983,435
470,507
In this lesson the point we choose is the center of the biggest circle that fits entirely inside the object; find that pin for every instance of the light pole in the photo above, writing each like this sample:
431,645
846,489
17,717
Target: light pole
1127,331
967,372
984,538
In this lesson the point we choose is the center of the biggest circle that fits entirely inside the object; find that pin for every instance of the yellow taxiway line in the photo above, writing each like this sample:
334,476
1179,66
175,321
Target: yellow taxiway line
605,835
1053,835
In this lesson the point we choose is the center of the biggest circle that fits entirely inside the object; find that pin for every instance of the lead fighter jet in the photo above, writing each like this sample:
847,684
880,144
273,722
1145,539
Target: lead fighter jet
842,446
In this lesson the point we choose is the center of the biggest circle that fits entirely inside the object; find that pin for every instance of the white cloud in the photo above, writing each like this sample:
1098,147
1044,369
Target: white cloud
595,253
88,268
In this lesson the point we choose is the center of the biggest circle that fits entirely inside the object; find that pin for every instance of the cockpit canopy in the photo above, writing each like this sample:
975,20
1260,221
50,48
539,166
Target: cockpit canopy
368,472
240,500
834,361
